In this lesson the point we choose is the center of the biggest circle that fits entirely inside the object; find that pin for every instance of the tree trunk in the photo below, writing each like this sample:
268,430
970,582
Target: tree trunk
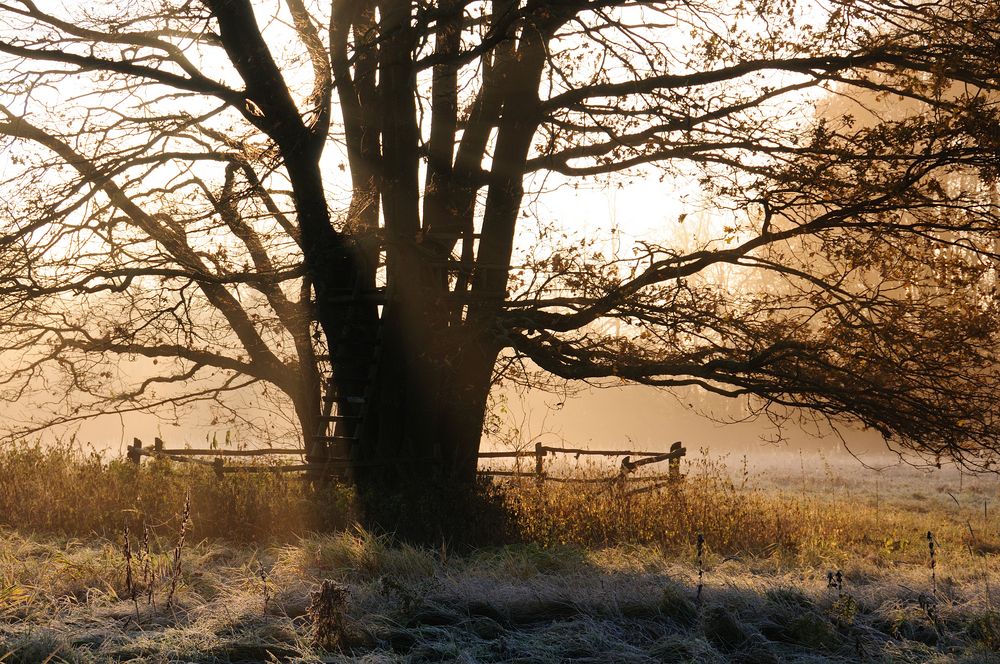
425,402
306,400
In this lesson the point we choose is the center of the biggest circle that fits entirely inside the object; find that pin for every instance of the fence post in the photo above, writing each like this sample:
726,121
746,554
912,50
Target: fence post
217,466
158,444
134,455
539,462
674,466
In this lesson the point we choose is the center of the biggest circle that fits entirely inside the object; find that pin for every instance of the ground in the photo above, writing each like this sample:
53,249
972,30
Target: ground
542,600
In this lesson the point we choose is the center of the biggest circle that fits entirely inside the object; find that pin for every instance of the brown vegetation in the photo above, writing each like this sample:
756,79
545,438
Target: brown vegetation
832,514
62,490
803,565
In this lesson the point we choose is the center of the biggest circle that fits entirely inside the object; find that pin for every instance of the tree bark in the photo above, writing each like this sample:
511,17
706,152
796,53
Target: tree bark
426,401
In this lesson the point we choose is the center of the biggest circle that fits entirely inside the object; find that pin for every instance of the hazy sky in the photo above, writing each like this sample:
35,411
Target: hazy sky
648,209
617,417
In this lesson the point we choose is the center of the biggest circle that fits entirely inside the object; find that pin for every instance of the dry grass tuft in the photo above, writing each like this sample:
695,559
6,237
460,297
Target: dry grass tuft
356,553
64,490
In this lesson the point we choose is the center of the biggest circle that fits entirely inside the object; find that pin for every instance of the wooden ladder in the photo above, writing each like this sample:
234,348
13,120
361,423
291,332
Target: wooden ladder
343,416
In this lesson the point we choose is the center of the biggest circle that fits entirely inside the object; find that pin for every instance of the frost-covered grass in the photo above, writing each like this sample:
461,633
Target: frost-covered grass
66,601
593,574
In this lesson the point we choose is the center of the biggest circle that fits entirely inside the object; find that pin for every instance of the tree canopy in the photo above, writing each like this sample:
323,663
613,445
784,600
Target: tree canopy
313,195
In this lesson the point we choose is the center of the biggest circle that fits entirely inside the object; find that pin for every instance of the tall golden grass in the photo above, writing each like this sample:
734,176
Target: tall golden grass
64,490
826,519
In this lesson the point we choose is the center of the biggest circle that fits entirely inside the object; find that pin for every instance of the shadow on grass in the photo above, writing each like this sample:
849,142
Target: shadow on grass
523,603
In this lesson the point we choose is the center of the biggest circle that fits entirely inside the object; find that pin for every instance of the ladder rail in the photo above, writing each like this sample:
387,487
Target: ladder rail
351,409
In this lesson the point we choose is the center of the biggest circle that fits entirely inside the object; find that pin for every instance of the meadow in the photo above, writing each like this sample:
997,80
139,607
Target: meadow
802,560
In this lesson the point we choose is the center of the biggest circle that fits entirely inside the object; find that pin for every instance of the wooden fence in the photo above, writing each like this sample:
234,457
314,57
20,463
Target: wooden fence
628,466
626,471
189,455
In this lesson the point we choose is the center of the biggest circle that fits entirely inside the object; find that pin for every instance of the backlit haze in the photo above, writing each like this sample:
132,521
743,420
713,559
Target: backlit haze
661,207
611,416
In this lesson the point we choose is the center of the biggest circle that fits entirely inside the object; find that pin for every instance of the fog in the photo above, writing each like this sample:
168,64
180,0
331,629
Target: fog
625,417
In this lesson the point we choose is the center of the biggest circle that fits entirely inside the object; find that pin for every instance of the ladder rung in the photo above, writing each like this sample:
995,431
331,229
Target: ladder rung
339,418
348,333
341,357
354,341
351,379
355,357
331,463
335,395
368,375
343,360
343,345
335,439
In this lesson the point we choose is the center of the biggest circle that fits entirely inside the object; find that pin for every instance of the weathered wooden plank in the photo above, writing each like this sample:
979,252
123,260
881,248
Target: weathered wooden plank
184,459
585,452
506,473
338,417
629,466
267,469
611,479
676,453
195,451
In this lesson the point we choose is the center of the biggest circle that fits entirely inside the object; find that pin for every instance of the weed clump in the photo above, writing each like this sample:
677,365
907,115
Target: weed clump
327,615
984,629
792,617
331,629
675,606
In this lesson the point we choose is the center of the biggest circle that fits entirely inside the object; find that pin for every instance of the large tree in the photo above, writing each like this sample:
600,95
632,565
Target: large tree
282,191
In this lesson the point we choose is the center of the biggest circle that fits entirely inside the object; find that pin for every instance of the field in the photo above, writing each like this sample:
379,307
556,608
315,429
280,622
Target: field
579,572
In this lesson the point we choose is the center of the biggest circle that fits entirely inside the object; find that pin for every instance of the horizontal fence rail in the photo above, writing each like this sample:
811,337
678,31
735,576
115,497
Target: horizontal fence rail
628,466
